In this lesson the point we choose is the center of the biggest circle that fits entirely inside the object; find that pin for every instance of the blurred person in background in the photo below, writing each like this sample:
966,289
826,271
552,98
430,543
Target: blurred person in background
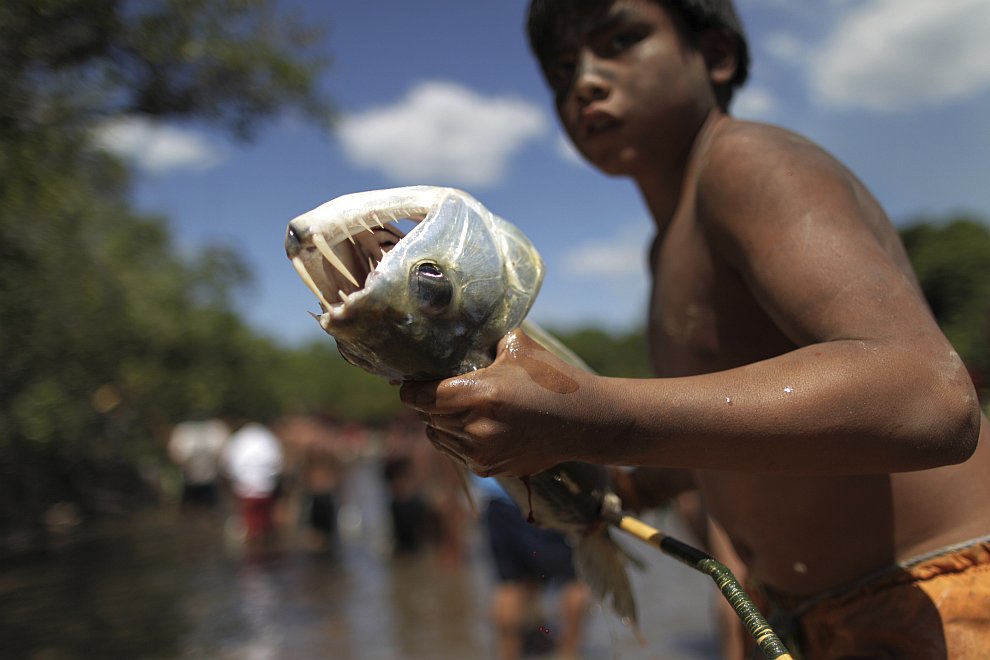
195,447
527,560
414,522
315,461
252,460
322,470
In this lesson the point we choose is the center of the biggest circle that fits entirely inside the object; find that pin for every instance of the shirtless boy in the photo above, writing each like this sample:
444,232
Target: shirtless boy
831,429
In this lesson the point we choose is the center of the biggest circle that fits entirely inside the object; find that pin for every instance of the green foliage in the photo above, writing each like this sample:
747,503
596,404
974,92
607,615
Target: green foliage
104,342
610,354
107,336
314,379
228,61
952,260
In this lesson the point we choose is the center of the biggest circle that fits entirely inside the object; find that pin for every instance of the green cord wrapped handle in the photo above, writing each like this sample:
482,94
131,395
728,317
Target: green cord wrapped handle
754,621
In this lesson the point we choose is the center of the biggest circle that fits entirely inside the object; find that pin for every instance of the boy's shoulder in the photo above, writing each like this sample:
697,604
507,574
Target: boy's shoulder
744,162
753,146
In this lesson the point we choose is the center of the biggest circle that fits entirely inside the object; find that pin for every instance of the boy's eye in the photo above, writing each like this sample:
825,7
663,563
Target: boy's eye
560,73
620,41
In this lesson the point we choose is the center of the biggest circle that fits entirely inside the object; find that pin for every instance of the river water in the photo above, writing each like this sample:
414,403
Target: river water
170,585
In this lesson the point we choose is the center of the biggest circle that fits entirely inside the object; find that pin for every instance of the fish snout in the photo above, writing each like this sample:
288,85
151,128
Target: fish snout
294,237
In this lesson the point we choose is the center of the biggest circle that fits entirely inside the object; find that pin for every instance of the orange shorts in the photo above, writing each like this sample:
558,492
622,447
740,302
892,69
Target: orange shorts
936,607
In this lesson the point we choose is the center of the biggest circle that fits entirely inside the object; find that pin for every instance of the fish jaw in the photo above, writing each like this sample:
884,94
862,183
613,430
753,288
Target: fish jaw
332,247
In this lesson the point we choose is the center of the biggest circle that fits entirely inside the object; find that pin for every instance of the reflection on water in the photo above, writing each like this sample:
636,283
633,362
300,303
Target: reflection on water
170,586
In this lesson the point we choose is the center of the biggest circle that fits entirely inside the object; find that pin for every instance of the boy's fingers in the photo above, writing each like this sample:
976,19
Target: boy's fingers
452,424
419,395
447,443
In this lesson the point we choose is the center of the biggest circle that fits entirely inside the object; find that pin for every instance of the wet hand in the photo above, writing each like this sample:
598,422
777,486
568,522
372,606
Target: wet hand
519,416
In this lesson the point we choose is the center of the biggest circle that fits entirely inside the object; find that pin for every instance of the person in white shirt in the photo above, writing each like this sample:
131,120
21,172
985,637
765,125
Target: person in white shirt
253,461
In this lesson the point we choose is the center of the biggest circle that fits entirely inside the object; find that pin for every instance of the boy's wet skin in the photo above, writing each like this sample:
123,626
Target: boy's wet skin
704,319
831,428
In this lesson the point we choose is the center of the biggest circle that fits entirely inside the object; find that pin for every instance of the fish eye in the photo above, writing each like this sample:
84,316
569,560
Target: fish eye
432,288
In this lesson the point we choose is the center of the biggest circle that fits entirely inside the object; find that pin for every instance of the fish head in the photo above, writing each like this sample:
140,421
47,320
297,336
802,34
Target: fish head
428,303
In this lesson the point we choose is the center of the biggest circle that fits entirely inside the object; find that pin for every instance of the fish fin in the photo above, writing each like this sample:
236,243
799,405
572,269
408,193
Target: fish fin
638,563
462,477
601,563
554,345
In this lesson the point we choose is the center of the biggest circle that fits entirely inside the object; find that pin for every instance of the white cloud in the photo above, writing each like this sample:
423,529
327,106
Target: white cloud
442,132
158,148
753,103
785,47
614,258
898,54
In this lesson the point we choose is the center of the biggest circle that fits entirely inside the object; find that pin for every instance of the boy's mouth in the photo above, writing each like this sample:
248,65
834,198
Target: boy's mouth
596,123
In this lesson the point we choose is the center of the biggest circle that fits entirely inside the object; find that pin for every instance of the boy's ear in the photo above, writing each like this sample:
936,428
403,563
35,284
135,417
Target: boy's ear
718,47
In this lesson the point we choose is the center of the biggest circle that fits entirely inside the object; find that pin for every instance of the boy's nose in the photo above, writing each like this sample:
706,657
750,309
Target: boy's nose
591,84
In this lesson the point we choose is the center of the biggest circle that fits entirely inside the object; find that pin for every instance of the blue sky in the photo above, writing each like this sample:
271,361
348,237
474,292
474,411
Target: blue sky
446,93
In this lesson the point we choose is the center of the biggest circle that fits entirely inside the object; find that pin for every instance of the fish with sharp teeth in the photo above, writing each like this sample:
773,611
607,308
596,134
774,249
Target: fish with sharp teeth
436,305
464,276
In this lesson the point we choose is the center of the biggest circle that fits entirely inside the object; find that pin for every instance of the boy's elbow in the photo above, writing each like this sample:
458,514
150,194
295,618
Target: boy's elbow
959,426
938,419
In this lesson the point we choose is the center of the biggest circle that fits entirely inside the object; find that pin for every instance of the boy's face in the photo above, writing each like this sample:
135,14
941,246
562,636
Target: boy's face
630,91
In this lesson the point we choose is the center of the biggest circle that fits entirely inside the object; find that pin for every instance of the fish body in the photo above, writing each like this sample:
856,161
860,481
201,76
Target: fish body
434,303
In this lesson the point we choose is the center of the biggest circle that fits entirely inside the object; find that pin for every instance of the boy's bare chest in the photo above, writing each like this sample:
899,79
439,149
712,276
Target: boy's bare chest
702,317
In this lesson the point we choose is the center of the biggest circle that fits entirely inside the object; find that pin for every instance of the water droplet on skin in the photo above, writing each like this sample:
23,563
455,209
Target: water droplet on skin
544,630
788,389
728,400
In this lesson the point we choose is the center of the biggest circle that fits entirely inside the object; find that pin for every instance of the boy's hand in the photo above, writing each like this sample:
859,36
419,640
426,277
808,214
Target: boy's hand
519,416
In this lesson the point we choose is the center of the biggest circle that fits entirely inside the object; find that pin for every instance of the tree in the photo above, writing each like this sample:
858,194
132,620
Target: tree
107,336
233,62
610,354
315,379
952,260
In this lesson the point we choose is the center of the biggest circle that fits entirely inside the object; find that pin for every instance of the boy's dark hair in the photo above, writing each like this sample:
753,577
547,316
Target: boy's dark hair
548,18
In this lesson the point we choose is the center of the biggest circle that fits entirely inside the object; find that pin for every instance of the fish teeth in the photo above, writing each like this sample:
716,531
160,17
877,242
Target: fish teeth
308,281
364,224
321,244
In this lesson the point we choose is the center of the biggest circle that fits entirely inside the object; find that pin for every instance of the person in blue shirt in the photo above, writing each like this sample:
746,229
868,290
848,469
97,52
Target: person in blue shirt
528,559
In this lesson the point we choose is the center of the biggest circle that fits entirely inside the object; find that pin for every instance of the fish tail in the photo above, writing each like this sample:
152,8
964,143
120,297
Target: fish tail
602,563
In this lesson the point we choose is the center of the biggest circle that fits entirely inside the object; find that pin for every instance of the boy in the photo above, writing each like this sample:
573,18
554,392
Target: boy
832,431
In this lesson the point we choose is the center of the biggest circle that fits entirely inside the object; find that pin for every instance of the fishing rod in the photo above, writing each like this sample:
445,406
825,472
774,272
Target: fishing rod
755,623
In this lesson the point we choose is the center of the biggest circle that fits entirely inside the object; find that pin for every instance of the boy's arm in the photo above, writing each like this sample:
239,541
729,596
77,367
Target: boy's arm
873,386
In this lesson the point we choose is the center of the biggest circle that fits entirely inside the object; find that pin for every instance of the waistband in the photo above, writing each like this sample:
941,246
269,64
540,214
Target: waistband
899,572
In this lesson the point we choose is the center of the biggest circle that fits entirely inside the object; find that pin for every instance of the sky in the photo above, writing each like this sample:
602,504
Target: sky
441,92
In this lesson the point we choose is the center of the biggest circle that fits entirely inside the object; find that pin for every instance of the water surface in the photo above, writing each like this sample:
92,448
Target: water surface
168,585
